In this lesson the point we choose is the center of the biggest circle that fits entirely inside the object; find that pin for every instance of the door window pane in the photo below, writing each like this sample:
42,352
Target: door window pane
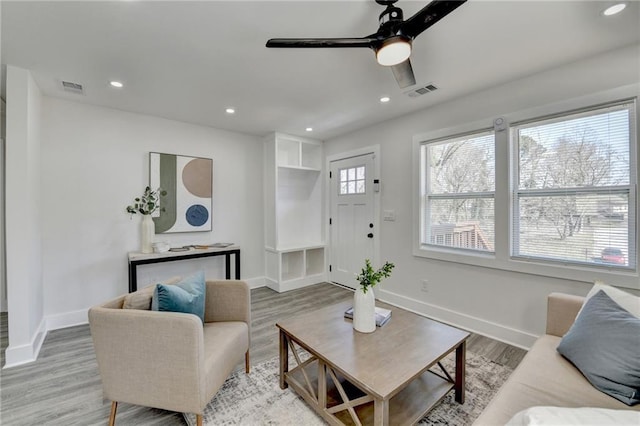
353,181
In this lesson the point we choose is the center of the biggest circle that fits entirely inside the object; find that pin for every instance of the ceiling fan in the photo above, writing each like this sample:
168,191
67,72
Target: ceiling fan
392,41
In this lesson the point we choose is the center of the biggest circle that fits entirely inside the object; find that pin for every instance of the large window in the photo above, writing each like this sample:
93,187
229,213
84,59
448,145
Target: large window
553,195
458,192
573,200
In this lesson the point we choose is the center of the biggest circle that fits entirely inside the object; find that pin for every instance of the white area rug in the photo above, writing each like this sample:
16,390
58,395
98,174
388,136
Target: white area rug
256,398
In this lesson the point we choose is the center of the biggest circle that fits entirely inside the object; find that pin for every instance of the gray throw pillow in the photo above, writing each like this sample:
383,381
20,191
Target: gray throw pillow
604,344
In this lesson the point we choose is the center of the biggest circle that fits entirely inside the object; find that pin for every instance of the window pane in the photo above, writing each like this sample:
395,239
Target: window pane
343,188
462,165
360,187
561,212
351,188
352,174
360,173
577,152
590,228
464,223
343,175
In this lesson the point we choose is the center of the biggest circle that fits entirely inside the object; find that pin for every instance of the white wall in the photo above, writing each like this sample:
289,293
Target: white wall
24,210
3,275
95,162
507,305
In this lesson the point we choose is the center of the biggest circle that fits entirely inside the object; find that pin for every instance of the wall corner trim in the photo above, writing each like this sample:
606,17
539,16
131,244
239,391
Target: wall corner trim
24,354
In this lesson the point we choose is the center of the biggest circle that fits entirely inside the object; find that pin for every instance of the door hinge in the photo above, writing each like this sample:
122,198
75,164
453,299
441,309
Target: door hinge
330,175
329,268
329,221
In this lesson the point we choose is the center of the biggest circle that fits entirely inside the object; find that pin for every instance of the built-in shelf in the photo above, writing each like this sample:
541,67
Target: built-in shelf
294,225
289,269
308,169
314,261
292,264
298,153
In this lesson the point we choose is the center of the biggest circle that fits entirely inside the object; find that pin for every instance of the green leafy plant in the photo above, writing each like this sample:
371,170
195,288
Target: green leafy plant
148,203
369,278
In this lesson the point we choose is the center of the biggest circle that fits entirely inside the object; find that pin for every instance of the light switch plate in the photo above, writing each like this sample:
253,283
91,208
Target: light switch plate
389,215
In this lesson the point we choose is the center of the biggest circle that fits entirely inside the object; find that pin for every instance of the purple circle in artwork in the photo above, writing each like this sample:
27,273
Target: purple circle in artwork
197,215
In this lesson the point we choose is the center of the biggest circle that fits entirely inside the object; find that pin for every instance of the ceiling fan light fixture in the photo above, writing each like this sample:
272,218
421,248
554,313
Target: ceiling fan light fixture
393,51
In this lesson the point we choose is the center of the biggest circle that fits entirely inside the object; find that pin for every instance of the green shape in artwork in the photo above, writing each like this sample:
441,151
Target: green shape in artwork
168,183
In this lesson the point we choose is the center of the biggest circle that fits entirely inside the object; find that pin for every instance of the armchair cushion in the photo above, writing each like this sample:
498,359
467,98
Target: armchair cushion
187,296
141,299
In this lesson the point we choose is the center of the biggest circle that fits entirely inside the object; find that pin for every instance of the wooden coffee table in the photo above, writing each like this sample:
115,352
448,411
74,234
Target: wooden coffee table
380,378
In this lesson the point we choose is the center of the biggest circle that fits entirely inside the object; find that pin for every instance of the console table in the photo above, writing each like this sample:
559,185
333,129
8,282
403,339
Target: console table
136,259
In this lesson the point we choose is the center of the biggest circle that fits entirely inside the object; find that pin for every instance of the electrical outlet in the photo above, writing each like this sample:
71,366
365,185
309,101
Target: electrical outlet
425,286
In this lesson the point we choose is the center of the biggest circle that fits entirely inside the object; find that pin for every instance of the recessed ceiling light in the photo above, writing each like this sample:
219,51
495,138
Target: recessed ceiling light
309,129
616,8
385,99
116,84
230,110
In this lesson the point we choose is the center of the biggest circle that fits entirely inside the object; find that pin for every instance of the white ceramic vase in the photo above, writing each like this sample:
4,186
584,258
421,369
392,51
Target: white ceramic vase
147,231
364,310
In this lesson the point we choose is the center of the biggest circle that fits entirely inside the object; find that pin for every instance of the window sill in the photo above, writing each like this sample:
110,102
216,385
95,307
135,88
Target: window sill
627,278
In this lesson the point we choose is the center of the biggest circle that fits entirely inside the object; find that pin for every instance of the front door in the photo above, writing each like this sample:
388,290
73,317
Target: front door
352,213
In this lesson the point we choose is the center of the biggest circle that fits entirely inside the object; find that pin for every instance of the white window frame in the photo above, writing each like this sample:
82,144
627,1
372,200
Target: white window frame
626,189
426,196
502,258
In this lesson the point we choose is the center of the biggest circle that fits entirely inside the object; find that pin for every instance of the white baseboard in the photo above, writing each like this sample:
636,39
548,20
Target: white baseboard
67,319
490,329
24,354
255,282
295,284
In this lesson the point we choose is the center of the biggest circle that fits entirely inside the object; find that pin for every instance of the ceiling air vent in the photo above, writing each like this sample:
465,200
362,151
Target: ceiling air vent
414,93
69,86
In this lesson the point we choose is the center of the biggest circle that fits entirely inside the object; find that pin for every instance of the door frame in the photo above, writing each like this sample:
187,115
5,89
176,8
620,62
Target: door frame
372,149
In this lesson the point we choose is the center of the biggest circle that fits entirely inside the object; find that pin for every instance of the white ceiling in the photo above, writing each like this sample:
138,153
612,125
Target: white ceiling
188,61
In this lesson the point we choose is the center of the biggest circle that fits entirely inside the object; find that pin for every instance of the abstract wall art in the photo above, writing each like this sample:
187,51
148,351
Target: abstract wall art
188,181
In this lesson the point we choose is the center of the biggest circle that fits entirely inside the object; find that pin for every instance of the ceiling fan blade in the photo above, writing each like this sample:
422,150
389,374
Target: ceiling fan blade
429,15
403,72
322,42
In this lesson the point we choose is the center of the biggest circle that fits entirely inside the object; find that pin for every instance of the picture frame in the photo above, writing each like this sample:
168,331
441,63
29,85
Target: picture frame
188,181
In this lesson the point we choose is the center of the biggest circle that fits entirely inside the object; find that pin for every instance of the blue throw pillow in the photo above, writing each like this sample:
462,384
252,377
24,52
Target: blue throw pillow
604,344
184,296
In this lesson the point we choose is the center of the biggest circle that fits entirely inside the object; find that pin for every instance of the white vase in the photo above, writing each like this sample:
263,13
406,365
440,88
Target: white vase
364,311
147,231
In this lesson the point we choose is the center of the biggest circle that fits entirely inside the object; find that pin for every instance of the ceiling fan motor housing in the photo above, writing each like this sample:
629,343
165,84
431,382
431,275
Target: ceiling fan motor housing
389,16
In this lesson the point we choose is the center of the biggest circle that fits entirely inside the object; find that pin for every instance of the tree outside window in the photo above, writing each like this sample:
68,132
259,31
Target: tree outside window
572,190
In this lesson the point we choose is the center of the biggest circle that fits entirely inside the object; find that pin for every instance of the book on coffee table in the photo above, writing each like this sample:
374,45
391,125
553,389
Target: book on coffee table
382,315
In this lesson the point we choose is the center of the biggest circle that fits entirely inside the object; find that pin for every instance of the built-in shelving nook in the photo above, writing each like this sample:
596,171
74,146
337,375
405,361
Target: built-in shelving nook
294,226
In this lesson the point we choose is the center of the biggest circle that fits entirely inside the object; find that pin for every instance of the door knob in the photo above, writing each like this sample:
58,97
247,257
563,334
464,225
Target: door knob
370,235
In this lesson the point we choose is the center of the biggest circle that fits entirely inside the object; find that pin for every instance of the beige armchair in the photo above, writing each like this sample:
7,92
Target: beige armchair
170,360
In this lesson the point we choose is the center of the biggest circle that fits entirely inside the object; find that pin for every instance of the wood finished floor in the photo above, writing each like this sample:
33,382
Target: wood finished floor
63,386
